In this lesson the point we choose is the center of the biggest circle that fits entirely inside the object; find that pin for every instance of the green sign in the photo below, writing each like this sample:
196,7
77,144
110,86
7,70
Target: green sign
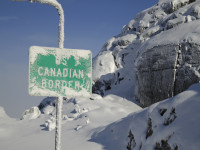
59,72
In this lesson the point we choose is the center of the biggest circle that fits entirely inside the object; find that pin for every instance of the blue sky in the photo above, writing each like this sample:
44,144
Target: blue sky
88,25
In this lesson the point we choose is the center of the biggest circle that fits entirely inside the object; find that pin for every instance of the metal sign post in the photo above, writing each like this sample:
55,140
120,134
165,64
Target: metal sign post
58,6
59,72
59,104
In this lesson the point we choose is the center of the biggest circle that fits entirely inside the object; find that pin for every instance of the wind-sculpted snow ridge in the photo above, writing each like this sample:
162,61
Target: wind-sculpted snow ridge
155,56
172,124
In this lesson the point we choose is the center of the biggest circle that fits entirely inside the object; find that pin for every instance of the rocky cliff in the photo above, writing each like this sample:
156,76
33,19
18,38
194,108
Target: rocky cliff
156,56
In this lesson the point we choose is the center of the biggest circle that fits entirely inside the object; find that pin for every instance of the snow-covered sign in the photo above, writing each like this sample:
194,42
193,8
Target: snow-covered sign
59,72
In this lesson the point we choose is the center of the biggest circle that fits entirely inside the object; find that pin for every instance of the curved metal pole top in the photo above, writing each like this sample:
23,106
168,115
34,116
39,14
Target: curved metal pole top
58,6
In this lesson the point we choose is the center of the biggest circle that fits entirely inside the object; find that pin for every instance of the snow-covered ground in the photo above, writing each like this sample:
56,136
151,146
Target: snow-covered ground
105,124
168,125
81,118
117,122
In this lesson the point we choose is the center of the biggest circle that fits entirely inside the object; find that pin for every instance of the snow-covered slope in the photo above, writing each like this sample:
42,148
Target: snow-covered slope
156,55
173,124
161,48
102,124
81,118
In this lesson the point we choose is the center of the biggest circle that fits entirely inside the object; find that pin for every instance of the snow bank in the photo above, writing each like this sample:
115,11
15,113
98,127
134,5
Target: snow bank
170,124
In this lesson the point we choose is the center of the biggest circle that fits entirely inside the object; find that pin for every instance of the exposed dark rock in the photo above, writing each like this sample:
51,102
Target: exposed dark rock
47,101
97,88
162,111
131,143
171,117
149,131
165,71
164,145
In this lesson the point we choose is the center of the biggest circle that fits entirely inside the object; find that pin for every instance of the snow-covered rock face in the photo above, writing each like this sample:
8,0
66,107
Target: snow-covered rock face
155,56
113,67
166,70
31,113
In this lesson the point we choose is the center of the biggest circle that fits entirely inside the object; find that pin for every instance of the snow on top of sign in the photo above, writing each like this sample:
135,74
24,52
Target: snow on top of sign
80,53
34,51
59,53
67,53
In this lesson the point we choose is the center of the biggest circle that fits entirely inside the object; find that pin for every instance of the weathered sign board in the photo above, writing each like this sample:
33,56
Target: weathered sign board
60,72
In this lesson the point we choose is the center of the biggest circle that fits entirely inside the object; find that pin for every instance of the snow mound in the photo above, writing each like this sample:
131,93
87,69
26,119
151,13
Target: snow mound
170,124
31,113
